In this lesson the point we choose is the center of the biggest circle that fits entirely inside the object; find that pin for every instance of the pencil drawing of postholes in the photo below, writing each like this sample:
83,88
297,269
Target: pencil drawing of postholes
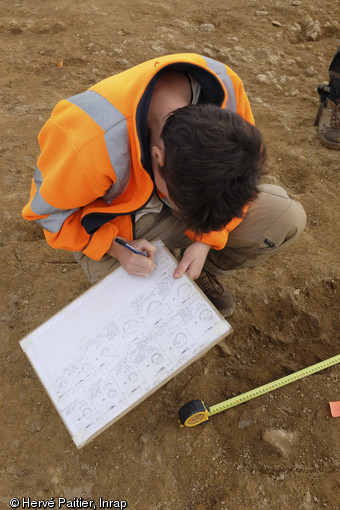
184,290
156,358
111,391
180,339
105,352
86,411
155,307
206,315
133,377
162,263
130,326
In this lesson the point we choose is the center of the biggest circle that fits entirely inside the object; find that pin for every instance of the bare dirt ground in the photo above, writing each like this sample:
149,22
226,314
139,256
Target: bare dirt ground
276,452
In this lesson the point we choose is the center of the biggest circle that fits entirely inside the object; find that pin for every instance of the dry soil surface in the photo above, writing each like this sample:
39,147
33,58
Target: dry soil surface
279,451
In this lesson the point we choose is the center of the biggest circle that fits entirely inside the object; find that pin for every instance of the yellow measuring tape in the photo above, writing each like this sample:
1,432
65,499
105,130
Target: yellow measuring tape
196,412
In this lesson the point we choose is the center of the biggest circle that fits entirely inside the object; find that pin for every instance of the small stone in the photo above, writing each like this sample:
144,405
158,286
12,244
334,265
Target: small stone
187,27
207,51
307,501
157,48
270,74
281,440
123,62
312,35
261,13
311,71
296,3
14,27
163,30
313,30
225,348
276,23
207,27
262,78
244,423
274,59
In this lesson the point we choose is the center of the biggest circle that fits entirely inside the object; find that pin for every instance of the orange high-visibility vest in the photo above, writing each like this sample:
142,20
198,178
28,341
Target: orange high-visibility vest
93,171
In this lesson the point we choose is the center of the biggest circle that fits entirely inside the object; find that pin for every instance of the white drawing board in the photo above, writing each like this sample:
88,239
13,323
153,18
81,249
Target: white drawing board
120,341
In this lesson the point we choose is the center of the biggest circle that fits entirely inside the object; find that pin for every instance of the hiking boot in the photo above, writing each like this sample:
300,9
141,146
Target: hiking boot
328,119
220,297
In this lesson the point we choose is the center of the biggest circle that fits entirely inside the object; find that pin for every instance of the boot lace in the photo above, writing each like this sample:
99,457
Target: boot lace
208,281
335,116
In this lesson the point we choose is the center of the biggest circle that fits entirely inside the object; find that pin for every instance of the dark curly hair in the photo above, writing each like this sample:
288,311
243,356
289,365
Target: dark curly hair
213,162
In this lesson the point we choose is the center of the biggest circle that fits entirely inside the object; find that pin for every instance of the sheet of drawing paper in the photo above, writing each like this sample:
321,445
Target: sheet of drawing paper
120,341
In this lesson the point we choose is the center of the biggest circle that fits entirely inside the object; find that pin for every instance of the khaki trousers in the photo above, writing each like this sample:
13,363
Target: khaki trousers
272,222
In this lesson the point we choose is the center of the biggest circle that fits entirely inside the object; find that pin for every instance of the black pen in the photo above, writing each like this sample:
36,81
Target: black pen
129,247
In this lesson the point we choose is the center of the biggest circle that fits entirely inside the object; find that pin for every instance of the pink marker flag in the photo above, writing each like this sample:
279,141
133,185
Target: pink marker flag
335,409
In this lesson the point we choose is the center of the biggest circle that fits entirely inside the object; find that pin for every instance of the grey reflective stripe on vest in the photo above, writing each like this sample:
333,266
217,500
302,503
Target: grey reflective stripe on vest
116,136
221,71
39,206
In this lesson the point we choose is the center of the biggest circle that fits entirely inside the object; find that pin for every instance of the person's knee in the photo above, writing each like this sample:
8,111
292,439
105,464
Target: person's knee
295,220
96,270
286,228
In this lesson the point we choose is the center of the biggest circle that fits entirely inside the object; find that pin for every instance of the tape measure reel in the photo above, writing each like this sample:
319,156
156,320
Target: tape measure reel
193,413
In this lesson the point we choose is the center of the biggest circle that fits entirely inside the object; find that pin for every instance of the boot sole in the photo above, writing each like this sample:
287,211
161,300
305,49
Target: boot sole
328,144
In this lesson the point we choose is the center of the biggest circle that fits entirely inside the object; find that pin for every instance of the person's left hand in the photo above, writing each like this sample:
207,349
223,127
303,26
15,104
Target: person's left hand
193,260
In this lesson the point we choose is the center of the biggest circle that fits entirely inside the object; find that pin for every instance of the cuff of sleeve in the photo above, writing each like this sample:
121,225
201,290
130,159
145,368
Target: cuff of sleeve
217,240
101,241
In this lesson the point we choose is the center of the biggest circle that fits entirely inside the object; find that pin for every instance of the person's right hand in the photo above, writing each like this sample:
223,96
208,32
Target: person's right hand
134,264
